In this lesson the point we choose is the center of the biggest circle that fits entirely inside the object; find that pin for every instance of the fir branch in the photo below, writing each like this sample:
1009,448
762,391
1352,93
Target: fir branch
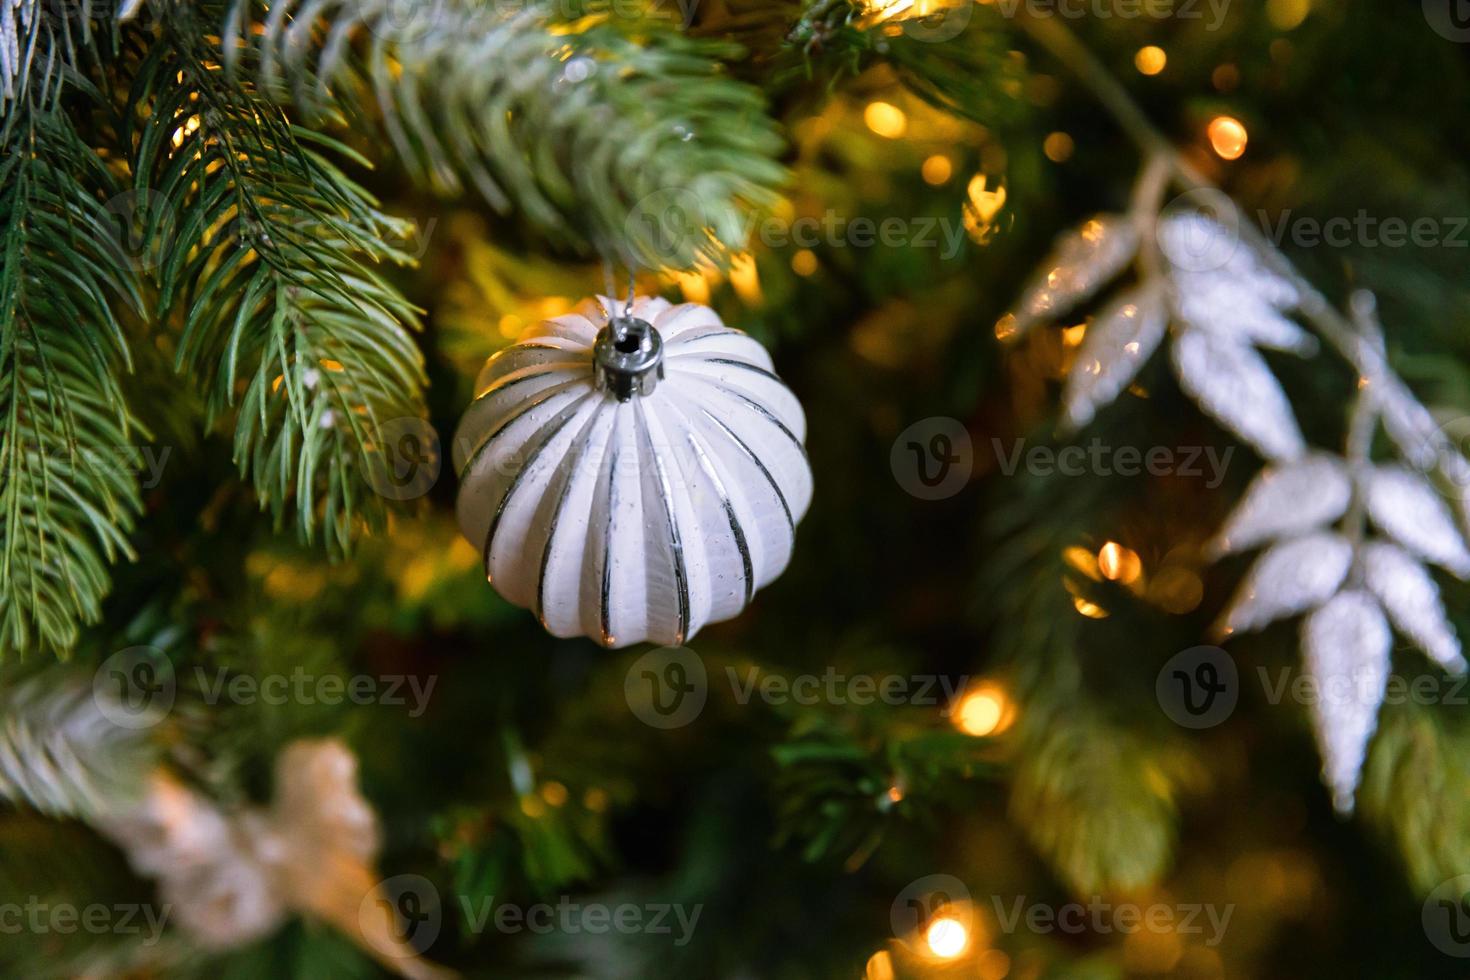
270,264
62,755
640,144
67,502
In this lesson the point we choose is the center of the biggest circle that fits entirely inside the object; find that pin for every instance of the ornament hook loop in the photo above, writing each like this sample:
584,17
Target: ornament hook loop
628,357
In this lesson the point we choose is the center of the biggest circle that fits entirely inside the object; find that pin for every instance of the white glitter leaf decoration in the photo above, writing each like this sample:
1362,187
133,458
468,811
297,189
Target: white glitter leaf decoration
1231,309
1082,262
1117,343
1406,507
1346,647
1412,601
1286,500
1408,423
1234,386
1290,577
1195,243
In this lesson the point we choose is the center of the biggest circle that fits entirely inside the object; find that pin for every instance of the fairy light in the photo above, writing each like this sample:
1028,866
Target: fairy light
1119,564
511,326
947,937
886,119
744,278
1228,137
1286,15
1088,608
1058,147
985,710
937,169
804,262
880,966
1150,59
982,207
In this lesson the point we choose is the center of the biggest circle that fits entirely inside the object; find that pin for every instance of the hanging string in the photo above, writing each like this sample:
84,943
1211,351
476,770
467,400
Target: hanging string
618,322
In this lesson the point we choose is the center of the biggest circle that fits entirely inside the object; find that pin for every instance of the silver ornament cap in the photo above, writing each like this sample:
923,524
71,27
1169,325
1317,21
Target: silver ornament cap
628,358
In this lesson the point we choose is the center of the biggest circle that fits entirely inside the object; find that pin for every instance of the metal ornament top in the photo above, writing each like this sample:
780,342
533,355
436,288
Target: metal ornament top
628,357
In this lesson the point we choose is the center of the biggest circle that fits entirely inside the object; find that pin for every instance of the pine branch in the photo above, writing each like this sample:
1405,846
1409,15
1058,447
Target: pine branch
63,756
271,265
67,499
640,144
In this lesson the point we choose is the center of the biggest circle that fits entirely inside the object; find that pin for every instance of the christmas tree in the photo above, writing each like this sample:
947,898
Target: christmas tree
967,489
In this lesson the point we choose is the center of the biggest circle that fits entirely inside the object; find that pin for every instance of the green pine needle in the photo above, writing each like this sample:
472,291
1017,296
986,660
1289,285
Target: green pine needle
627,135
271,263
67,498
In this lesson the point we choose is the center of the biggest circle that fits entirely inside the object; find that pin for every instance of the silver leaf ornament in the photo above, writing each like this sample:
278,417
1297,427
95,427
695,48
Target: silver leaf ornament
1346,645
1117,343
1408,509
1082,261
1290,577
1231,309
1286,500
1411,599
1233,385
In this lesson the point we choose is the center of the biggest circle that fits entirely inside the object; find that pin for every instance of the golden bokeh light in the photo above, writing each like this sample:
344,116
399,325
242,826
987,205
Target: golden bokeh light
1058,147
993,964
886,119
744,278
985,710
1150,60
1286,15
880,966
1119,564
947,937
1228,137
804,262
937,169
1089,609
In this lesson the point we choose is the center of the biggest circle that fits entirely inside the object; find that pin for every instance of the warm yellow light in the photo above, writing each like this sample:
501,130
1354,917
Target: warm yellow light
1058,147
993,964
745,279
1005,327
1150,60
694,285
804,262
554,793
1228,137
880,966
947,937
1287,14
984,711
885,119
1119,564
1089,609
511,326
982,208
937,169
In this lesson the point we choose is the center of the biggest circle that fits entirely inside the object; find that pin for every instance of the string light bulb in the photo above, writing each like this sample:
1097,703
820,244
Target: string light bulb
1228,137
946,937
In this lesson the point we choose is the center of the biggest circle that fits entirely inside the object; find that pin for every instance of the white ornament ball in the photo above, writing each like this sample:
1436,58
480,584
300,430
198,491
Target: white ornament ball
632,479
